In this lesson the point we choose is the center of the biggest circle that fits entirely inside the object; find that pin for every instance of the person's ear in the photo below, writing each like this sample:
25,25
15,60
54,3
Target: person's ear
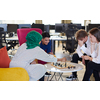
40,42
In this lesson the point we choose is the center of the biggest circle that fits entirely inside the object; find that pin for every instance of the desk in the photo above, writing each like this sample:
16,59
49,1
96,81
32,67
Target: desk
50,68
58,38
13,41
52,38
12,38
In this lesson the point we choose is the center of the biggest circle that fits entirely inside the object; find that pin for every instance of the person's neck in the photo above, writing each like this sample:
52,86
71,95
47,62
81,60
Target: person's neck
97,42
42,42
86,40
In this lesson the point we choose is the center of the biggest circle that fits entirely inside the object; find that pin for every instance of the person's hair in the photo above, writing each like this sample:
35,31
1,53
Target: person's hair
81,34
45,34
95,32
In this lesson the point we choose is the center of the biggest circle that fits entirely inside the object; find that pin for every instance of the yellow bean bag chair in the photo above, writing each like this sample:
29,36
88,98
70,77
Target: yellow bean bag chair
13,74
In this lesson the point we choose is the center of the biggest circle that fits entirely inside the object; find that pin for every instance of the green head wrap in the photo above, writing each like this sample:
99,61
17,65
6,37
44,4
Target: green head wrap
33,38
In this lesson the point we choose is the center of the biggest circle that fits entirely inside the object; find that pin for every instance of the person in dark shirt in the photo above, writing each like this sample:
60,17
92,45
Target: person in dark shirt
46,43
46,46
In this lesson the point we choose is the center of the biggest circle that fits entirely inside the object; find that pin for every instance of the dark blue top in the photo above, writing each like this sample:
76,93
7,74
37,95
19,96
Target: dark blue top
46,48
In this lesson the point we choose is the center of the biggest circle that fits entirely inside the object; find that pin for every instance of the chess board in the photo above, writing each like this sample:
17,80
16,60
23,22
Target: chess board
62,65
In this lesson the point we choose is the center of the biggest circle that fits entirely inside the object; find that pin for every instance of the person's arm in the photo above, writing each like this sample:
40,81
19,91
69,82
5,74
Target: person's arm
62,59
42,55
49,51
97,58
84,49
92,47
78,50
93,50
88,58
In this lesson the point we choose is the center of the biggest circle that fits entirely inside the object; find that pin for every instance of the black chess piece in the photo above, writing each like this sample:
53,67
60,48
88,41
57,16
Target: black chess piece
60,65
65,64
56,63
68,67
74,67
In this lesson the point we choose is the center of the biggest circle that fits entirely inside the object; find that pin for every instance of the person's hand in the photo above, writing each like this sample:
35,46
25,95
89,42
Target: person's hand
80,43
63,59
83,61
33,62
51,53
86,57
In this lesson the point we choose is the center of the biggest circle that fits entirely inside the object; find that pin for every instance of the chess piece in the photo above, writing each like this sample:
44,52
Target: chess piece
65,64
55,64
68,67
60,65
74,67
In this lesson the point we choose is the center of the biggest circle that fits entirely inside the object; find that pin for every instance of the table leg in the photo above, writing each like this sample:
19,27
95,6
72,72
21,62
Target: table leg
53,46
53,76
60,76
48,76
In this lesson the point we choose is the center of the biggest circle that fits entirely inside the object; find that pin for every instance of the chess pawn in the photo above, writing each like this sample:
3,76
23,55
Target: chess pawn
68,67
65,64
60,65
74,67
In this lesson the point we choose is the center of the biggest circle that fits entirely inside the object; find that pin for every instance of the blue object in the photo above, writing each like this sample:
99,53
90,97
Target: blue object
46,48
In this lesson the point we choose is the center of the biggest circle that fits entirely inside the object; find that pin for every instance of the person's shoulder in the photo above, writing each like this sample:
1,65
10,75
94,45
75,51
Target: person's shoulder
49,43
37,47
23,45
41,44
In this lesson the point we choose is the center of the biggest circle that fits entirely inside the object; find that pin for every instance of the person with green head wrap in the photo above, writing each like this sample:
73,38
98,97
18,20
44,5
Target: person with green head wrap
28,52
33,38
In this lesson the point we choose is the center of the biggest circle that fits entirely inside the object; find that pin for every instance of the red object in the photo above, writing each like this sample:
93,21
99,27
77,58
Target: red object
4,58
22,33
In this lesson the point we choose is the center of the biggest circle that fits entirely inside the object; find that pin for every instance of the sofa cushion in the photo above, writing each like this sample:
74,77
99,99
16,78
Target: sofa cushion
4,58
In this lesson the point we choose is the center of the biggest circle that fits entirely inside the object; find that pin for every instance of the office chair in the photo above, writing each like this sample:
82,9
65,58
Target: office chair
1,29
2,38
22,33
71,43
40,26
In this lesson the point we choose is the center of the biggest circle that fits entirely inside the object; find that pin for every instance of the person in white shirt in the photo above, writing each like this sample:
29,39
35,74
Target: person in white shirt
28,52
94,60
83,48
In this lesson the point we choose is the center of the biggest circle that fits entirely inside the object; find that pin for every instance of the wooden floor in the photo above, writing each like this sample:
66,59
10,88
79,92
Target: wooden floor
59,54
